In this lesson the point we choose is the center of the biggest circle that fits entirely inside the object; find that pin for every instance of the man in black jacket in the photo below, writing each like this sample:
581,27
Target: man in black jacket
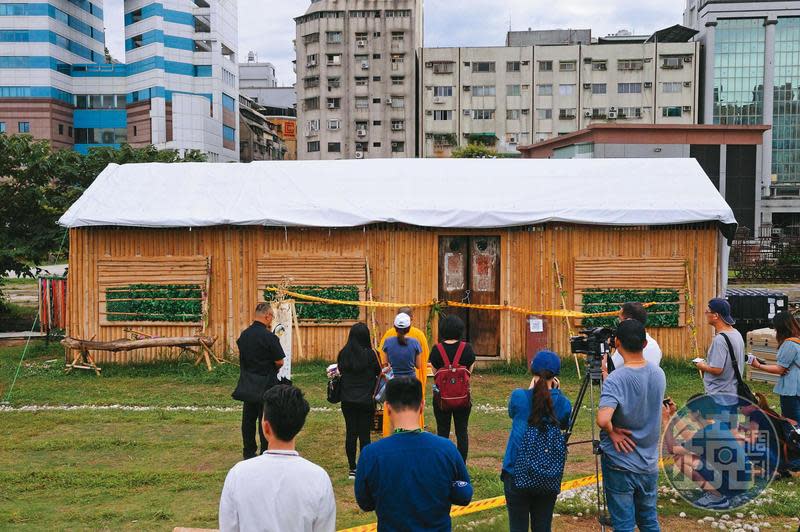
260,353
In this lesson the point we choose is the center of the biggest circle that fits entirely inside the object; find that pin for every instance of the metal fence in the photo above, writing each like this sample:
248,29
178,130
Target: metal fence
772,256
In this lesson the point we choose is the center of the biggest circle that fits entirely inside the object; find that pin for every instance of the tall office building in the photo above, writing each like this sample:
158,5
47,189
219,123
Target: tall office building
751,74
356,78
183,75
516,95
40,43
177,89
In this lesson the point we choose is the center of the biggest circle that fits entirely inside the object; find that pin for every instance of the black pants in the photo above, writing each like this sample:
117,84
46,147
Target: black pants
358,424
526,509
461,419
251,418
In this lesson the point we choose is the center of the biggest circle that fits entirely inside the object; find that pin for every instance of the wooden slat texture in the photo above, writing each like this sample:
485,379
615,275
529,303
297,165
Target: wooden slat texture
404,269
629,272
312,270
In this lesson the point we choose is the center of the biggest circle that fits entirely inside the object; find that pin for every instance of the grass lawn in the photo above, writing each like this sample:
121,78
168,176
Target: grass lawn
158,468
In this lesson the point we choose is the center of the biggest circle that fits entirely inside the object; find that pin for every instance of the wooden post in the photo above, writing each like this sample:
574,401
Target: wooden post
373,321
297,330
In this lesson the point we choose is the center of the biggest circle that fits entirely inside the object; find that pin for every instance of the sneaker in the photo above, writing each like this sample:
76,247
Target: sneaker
352,474
712,502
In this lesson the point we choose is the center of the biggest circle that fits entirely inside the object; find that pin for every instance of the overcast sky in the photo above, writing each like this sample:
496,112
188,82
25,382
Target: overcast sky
267,26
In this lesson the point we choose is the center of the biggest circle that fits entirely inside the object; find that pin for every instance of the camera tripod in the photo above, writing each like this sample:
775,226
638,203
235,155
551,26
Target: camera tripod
593,377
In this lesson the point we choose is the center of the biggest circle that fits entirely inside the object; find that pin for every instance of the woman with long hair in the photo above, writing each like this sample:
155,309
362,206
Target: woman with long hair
451,332
359,369
402,351
540,404
787,366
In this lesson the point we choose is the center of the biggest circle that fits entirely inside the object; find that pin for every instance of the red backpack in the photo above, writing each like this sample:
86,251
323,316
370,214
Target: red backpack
452,380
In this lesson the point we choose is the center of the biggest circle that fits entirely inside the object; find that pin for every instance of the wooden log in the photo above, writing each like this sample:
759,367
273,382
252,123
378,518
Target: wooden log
125,344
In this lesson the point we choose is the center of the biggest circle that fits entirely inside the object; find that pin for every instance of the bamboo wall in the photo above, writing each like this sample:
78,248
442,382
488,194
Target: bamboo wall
404,267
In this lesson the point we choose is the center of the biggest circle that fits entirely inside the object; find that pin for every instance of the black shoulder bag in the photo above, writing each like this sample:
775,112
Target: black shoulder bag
251,386
742,389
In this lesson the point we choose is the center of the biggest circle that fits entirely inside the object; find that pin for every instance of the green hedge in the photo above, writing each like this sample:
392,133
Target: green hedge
664,314
321,312
154,302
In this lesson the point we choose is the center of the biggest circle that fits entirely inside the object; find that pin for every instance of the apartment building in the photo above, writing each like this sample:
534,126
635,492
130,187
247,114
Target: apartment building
256,78
511,96
177,89
356,78
751,54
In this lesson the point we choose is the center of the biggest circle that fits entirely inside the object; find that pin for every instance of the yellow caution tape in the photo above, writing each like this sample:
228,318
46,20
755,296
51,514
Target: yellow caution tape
459,304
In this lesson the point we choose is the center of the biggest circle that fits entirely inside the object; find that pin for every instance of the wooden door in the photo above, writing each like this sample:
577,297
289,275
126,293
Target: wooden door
454,273
484,286
469,271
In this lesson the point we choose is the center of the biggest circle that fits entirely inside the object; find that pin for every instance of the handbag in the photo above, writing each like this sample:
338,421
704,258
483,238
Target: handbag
335,389
251,386
742,389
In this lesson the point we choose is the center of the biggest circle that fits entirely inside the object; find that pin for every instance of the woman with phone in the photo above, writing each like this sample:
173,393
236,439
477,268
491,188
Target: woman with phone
787,367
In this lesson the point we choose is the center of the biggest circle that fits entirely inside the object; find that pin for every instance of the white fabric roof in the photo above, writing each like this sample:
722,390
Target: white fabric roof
454,193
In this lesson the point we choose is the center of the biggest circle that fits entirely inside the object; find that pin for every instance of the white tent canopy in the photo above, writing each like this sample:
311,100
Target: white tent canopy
446,193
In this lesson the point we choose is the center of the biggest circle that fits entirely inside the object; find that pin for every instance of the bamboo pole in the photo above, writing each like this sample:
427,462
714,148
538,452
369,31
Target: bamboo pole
560,286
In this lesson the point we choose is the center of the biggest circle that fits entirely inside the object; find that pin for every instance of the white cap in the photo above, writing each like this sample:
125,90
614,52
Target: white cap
402,321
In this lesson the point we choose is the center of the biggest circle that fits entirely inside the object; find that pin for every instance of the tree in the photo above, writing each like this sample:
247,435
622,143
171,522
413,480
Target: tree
474,151
38,184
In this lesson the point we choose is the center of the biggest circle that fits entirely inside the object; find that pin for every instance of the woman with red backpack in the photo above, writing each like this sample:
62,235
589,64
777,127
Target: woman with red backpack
787,332
452,360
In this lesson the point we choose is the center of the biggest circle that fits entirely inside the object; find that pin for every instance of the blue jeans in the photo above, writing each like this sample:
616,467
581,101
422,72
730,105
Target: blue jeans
790,407
631,499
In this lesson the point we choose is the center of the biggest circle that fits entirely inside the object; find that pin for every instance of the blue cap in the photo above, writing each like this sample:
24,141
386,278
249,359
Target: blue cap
721,306
546,361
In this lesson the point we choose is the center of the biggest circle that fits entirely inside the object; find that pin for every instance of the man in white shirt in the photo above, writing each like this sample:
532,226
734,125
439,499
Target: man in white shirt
278,491
652,351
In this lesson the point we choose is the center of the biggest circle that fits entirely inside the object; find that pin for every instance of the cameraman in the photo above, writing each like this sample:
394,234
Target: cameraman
634,310
630,416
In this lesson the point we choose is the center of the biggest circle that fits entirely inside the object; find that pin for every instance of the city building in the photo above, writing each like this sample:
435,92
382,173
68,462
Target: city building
178,88
259,138
751,74
516,95
356,78
544,37
255,77
729,154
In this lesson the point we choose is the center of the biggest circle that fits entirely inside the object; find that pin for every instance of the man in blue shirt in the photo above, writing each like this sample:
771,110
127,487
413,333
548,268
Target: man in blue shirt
630,416
411,478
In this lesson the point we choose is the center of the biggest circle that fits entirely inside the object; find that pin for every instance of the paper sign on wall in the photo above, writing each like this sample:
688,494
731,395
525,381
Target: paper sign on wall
536,325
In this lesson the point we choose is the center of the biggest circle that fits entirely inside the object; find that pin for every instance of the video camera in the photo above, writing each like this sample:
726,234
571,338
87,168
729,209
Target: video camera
595,342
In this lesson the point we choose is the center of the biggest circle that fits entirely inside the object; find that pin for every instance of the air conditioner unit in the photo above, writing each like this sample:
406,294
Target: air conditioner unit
394,144
361,44
587,114
687,108
397,127
311,64
361,133
359,155
512,140
526,63
466,112
587,85
388,101
612,115
429,113
438,99
587,60
612,109
331,105
429,64
687,83
648,85
364,65
687,59
467,88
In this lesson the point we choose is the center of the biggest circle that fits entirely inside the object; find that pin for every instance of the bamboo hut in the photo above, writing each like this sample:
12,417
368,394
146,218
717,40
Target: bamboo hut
179,249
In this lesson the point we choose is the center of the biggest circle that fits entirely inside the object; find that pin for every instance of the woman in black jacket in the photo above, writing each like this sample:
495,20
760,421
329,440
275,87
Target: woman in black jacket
359,367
